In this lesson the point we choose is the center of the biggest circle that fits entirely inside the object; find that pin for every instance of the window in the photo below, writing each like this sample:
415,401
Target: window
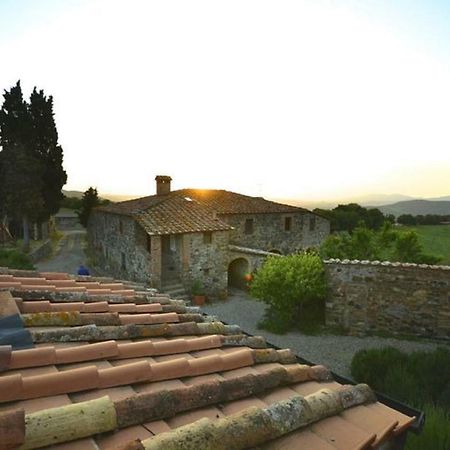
312,223
172,243
149,243
207,237
248,226
124,265
120,227
287,223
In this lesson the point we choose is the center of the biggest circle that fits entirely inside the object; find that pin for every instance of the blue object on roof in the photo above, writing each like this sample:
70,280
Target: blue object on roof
12,333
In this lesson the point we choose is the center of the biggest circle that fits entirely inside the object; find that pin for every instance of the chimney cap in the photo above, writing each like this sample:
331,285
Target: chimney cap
163,178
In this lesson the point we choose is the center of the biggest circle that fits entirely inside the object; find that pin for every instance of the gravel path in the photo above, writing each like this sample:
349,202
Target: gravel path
68,256
333,351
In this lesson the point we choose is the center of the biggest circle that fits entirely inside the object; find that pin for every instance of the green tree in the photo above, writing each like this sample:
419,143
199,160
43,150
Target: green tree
361,244
89,201
44,142
407,219
21,177
348,217
387,243
288,283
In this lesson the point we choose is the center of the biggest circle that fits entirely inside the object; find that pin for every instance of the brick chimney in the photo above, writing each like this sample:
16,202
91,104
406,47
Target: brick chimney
162,184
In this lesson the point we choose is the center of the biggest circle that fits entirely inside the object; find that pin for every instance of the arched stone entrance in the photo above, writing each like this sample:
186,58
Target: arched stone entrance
236,273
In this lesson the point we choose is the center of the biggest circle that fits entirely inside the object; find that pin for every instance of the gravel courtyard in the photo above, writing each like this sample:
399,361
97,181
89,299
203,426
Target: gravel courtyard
333,351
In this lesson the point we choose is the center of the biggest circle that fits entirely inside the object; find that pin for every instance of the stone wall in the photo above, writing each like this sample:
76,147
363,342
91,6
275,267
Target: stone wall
269,234
120,246
393,297
255,258
207,262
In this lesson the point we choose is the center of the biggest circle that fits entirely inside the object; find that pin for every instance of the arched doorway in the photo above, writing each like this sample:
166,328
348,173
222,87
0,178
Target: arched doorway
236,273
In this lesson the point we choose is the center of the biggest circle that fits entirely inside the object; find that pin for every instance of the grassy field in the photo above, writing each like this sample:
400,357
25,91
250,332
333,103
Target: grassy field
435,240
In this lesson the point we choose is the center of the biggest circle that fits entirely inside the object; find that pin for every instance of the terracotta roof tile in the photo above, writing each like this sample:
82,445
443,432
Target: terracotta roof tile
5,357
117,438
12,428
178,215
342,434
81,444
304,439
183,378
191,210
220,201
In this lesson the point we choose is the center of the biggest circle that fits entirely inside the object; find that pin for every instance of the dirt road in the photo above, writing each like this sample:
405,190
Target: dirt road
69,255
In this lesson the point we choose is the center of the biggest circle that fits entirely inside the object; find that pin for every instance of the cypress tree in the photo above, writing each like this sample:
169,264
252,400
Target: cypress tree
21,177
89,201
44,143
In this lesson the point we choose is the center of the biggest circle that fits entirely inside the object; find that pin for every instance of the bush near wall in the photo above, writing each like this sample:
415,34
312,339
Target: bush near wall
386,244
293,288
421,379
15,259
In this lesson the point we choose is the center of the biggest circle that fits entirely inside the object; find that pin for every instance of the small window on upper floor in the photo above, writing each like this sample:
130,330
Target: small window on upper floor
207,237
120,226
172,243
312,223
248,226
287,223
123,261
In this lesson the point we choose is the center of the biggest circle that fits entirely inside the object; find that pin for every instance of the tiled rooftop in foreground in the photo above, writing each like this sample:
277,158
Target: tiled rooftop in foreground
93,363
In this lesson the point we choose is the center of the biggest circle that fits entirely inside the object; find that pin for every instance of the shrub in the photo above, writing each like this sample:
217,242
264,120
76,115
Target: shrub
371,366
421,379
15,259
287,284
387,243
436,432
417,378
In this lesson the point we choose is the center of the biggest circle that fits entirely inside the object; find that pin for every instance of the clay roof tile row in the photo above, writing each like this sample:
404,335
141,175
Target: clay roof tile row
152,385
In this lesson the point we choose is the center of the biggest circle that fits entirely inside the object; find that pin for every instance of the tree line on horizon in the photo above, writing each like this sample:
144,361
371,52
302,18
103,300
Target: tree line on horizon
367,233
31,160
348,217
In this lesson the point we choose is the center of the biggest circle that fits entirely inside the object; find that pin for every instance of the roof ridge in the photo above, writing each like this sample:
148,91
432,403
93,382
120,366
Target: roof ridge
258,425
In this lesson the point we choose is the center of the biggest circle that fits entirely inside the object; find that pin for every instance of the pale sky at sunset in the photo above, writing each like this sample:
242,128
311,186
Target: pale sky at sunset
286,99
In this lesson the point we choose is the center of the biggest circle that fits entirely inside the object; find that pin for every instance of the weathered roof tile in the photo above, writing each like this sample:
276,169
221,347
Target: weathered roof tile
158,379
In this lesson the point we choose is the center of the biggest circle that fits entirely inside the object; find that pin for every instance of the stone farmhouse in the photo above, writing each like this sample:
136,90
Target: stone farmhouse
215,236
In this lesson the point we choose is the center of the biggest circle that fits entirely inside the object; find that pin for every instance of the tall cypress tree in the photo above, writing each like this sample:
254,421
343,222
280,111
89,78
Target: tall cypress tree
89,201
44,143
22,172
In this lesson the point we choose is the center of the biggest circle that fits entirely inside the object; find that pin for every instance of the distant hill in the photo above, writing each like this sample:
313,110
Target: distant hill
371,200
416,207
74,194
112,197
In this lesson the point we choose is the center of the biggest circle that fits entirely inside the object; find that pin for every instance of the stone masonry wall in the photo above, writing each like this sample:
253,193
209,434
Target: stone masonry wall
307,230
394,297
206,262
119,246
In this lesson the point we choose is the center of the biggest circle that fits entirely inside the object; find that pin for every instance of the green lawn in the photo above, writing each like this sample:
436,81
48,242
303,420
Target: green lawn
435,240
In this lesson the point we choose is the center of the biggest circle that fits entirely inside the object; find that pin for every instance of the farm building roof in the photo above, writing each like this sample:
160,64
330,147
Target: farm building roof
191,210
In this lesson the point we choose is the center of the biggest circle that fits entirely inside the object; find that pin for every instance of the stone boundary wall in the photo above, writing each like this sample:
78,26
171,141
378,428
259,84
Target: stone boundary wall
399,298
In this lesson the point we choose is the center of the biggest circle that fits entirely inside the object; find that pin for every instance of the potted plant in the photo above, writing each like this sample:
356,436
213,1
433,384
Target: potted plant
198,293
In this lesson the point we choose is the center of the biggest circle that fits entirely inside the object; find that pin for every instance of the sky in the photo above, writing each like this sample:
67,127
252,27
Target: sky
306,100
